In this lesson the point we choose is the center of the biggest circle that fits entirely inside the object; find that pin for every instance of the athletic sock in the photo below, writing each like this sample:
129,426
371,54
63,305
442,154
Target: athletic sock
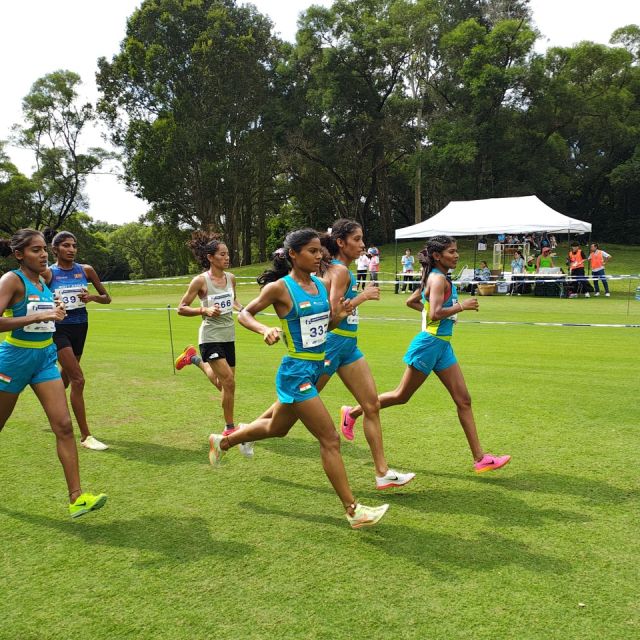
229,426
196,360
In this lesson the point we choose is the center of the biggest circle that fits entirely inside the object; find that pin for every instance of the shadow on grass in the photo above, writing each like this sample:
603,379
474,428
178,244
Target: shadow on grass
157,454
590,490
442,554
302,517
162,539
495,506
439,553
298,448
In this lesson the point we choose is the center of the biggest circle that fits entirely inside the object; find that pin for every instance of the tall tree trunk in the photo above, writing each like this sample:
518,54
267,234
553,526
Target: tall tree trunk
247,219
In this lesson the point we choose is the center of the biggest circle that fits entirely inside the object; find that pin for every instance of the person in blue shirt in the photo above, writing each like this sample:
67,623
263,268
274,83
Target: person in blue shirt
407,270
28,355
431,350
301,302
70,282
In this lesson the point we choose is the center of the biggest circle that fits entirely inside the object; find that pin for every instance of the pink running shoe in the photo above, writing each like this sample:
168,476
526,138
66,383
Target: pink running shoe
185,357
228,432
490,463
346,422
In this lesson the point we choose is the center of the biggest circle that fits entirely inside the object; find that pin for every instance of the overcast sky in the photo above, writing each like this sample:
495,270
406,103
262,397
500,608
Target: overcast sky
41,36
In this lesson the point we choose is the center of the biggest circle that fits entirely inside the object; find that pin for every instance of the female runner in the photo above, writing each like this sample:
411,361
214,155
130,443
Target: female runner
431,349
28,355
300,301
216,289
69,281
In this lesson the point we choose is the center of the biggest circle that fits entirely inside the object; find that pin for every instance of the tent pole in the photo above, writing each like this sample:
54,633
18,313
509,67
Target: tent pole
395,271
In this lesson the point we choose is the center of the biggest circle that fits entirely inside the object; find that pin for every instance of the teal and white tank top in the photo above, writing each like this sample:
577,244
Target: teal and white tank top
38,334
305,326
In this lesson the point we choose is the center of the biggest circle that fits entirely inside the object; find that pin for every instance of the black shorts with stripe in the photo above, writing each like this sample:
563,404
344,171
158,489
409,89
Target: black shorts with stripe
217,351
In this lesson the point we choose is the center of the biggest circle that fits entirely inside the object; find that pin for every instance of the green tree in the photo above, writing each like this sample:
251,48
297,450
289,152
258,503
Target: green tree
17,194
185,97
54,123
353,119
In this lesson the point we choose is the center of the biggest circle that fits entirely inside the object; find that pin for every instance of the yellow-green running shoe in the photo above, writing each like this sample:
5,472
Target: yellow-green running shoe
86,502
364,516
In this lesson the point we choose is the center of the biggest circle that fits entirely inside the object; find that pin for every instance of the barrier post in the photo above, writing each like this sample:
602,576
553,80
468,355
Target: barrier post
173,357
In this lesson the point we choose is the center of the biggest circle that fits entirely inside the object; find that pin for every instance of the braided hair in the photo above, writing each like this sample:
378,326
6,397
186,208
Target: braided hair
437,244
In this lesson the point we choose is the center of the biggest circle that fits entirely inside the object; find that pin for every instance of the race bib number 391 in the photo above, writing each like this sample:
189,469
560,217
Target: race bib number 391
71,297
313,329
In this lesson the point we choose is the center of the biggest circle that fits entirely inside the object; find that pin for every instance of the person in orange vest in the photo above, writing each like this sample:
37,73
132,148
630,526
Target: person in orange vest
576,262
598,259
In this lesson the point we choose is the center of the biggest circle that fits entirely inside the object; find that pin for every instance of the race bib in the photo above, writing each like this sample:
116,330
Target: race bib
71,297
40,327
224,301
352,318
313,329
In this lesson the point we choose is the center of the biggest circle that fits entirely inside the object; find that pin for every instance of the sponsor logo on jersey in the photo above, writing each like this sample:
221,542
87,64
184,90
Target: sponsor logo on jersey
305,304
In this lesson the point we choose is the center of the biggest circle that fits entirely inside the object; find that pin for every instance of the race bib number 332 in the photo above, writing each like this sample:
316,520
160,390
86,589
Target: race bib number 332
313,329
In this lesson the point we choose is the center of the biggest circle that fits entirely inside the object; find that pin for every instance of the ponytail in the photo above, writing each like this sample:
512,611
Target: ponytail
18,242
282,264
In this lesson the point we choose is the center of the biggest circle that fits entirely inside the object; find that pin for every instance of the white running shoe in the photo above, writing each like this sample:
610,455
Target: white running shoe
596,294
607,295
394,479
246,449
364,516
94,444
587,295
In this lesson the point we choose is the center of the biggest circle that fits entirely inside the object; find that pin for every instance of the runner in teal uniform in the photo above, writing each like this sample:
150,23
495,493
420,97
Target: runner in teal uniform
344,243
300,300
431,350
28,355
70,281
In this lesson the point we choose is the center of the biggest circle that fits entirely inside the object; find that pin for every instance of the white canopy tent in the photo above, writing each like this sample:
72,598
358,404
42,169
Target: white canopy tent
494,216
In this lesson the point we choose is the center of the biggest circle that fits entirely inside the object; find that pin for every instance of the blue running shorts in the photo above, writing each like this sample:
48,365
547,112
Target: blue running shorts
296,379
427,353
20,366
340,351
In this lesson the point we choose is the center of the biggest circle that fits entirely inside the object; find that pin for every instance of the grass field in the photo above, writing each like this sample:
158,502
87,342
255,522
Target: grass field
545,548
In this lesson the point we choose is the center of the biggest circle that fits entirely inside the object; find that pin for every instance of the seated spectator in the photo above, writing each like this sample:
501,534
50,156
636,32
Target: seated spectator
544,260
482,274
530,267
553,241
544,241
